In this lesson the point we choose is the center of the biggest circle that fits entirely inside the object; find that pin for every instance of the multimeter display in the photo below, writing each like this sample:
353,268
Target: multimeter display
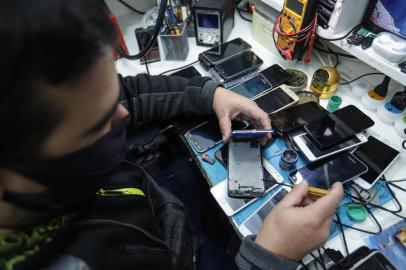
295,6
208,20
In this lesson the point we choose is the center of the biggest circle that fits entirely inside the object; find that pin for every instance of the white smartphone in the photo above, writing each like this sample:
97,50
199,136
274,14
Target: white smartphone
314,153
231,205
253,223
276,99
378,155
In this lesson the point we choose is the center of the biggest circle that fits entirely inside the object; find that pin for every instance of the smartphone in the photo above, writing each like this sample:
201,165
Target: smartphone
245,174
188,73
253,223
378,156
275,75
239,65
252,87
354,118
324,173
314,153
276,99
208,134
374,261
328,131
225,51
297,116
231,205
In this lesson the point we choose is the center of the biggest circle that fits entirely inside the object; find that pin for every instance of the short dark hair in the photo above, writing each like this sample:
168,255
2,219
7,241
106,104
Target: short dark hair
43,42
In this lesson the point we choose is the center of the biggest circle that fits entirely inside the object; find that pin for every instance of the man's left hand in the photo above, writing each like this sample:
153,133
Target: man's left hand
228,105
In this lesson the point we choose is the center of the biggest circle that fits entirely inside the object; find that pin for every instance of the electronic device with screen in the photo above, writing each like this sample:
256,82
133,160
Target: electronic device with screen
387,15
324,173
354,118
245,173
296,16
223,52
267,79
231,205
208,134
297,116
214,20
188,72
276,99
253,223
238,65
378,156
374,261
314,153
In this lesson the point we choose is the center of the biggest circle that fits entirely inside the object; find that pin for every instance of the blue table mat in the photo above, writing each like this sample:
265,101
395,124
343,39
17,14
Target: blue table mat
217,173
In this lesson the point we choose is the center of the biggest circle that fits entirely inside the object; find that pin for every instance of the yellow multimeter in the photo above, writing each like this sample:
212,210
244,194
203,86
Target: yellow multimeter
295,16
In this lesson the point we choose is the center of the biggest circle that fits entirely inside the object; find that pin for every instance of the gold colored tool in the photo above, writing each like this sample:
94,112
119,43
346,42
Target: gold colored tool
325,82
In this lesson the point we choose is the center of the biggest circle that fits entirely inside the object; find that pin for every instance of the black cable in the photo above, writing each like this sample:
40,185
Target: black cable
303,265
131,7
356,229
242,17
340,225
178,68
343,37
322,259
318,260
146,64
396,186
362,76
159,21
334,52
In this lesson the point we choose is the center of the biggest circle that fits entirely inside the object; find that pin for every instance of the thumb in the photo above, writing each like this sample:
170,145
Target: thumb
225,126
296,196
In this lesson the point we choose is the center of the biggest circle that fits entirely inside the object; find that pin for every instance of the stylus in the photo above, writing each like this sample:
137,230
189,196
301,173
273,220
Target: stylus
317,192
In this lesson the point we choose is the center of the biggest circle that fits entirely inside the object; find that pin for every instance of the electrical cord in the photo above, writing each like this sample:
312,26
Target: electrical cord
362,76
146,64
396,186
334,52
318,261
340,226
243,17
303,265
157,28
342,37
322,259
131,7
185,66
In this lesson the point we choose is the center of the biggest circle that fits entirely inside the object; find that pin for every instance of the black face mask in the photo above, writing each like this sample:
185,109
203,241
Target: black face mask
72,179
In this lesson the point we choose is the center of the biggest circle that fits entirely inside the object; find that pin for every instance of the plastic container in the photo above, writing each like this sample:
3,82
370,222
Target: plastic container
388,113
175,47
400,126
360,88
334,103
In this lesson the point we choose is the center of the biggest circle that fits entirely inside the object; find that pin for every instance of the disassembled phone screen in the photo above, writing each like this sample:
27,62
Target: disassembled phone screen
245,173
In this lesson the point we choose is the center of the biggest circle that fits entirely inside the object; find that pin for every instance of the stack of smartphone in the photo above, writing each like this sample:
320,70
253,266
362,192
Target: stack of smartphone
230,60
330,140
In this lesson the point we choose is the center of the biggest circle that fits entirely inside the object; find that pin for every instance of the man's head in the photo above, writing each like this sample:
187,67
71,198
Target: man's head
58,84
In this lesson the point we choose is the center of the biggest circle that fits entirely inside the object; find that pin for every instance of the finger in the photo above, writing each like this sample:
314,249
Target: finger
259,116
296,196
225,127
307,201
326,206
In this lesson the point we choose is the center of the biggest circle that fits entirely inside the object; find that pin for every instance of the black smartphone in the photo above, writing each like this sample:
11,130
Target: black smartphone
354,118
208,134
374,261
239,65
297,116
188,73
328,131
225,51
275,75
276,99
252,87
324,173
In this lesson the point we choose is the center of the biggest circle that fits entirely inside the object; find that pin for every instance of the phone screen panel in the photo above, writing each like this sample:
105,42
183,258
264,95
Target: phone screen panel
324,173
327,132
274,100
226,50
275,75
377,156
317,152
208,134
354,118
297,116
238,64
252,87
254,223
376,261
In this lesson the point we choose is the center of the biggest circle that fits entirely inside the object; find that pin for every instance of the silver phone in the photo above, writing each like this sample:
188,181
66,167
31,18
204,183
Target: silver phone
245,173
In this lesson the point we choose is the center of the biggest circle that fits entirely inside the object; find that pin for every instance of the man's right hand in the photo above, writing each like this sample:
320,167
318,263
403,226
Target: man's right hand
296,227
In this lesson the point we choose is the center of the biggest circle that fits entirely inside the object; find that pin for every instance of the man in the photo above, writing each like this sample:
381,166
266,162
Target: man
68,197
